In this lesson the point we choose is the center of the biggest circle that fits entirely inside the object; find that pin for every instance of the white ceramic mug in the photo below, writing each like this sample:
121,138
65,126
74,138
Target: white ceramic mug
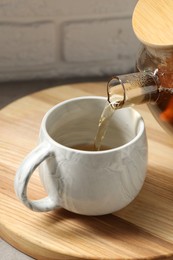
86,182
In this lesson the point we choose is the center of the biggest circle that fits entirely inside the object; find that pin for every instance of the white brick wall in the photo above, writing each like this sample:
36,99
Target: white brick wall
66,38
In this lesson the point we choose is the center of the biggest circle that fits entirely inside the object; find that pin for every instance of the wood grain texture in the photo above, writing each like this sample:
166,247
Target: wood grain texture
142,230
152,22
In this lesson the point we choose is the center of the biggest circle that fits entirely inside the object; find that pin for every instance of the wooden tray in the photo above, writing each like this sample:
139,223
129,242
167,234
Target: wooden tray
143,230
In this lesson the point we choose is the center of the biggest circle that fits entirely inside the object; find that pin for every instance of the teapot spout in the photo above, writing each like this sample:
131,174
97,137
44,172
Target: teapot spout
133,89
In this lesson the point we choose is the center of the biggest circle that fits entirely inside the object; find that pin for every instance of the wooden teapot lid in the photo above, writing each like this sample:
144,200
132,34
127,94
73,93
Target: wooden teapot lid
153,23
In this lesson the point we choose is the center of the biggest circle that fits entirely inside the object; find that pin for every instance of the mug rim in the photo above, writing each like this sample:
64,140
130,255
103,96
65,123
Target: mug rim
62,103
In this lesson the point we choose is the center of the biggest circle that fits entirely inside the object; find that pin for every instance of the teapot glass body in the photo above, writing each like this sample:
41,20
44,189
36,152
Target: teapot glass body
152,84
160,60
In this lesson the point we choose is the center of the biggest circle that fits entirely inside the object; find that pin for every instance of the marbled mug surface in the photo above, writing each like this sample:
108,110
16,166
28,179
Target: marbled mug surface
86,182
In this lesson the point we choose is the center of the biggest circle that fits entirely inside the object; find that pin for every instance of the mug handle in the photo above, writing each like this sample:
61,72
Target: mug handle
24,173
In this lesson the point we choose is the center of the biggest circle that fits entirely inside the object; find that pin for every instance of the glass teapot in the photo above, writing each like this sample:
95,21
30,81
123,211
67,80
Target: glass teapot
153,83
